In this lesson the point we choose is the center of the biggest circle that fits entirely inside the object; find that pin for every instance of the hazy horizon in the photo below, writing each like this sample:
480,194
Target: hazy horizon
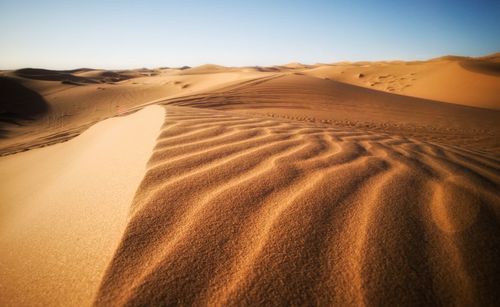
124,34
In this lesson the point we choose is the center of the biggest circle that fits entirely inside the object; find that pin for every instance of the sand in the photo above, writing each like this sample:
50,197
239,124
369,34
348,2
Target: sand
327,184
64,209
459,80
245,210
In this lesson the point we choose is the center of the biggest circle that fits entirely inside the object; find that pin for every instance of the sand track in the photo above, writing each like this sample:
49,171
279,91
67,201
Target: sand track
240,209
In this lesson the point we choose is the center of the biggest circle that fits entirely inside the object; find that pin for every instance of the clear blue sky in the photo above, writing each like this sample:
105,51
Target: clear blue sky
127,34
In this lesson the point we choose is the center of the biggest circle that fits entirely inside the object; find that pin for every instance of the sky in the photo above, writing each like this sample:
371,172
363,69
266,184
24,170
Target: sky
132,34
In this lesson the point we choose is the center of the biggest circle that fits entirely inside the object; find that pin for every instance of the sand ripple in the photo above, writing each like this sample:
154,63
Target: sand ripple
244,210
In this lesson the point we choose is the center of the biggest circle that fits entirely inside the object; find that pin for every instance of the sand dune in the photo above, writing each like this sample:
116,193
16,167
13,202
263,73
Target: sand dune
239,209
63,209
466,81
305,98
329,184
205,69
74,108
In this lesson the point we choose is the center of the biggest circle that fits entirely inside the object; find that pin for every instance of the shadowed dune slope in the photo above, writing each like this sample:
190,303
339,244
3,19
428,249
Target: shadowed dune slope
240,209
18,104
76,77
51,75
485,67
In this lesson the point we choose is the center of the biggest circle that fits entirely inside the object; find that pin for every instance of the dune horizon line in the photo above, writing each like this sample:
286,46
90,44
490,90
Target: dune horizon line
138,67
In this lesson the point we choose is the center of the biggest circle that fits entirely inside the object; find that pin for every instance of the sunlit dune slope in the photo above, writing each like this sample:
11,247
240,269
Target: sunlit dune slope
306,98
292,189
63,209
241,209
459,80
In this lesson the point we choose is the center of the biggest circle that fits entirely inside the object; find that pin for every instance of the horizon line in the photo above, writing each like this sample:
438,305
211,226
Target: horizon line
249,66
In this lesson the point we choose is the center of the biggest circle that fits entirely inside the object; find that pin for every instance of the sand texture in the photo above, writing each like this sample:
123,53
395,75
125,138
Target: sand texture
373,183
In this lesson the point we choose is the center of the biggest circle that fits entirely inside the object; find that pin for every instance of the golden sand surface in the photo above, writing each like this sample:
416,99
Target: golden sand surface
368,183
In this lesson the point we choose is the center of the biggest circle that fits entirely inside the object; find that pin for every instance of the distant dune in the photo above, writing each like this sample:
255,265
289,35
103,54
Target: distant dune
368,183
205,69
458,80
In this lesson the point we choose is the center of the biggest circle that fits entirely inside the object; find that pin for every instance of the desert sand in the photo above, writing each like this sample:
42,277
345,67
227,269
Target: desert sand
373,183
64,208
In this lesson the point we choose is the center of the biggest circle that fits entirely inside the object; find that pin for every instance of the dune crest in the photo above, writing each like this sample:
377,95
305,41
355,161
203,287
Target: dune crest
63,209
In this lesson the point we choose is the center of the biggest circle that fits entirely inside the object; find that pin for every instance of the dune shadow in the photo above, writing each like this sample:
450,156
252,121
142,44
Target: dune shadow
69,77
483,67
18,104
51,75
